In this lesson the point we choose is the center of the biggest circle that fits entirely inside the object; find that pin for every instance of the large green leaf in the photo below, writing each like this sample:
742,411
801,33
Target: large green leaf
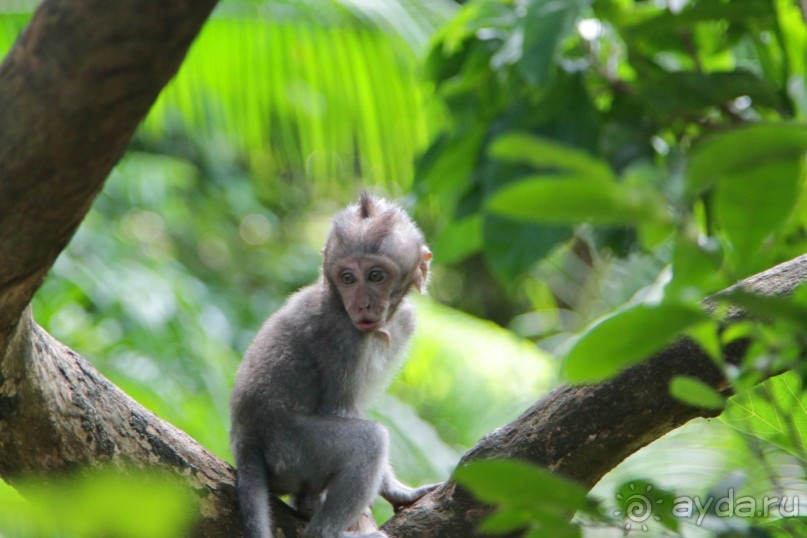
775,410
545,154
752,204
527,495
696,269
107,502
516,483
756,173
571,200
626,338
670,23
739,151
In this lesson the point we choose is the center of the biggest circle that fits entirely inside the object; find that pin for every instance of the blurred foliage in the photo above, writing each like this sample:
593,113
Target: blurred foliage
595,121
461,367
99,502
527,496
305,90
588,171
606,165
217,213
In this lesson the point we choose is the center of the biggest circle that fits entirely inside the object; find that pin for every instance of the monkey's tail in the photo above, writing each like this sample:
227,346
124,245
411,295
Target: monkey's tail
252,485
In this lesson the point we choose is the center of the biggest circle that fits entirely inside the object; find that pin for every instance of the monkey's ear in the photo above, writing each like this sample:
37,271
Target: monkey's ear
422,271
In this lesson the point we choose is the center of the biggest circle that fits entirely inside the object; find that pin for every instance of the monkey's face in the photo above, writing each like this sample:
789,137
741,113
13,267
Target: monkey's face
366,285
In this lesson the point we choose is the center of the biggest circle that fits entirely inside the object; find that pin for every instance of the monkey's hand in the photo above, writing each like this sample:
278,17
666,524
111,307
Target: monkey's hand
401,496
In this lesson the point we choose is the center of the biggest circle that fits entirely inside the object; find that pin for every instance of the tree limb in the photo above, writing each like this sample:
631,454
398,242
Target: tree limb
73,89
58,413
582,432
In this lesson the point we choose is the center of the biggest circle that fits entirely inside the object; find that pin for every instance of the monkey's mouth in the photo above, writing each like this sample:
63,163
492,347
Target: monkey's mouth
367,325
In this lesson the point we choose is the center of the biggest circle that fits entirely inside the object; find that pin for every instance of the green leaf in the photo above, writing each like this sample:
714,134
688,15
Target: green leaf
113,502
574,200
626,338
696,269
751,205
736,152
518,484
506,520
695,392
784,527
543,154
467,24
707,336
775,411
555,530
540,522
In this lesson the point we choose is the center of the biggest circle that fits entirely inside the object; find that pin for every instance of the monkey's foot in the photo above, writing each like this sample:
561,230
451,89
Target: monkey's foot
400,499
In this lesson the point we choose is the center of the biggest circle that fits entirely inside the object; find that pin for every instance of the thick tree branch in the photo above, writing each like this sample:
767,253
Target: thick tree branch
72,92
582,432
73,89
57,413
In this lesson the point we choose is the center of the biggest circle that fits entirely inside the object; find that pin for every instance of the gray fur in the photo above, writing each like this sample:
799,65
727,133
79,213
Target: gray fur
300,393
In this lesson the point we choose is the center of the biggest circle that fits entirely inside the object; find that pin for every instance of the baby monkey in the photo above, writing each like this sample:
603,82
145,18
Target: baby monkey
300,393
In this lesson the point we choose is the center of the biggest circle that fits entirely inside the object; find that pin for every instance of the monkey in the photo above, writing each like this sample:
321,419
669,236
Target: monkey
300,393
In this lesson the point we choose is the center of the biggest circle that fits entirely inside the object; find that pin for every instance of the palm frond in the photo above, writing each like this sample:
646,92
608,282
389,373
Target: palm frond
312,89
326,90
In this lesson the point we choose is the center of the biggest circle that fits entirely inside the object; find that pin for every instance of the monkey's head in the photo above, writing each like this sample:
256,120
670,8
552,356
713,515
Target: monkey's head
373,256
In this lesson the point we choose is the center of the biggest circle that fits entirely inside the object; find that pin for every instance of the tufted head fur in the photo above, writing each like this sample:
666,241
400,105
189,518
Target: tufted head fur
374,226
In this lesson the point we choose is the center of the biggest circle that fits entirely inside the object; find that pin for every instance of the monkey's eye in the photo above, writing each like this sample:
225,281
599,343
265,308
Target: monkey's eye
376,276
347,278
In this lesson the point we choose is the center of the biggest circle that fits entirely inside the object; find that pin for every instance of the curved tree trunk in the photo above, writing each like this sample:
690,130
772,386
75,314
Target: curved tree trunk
72,91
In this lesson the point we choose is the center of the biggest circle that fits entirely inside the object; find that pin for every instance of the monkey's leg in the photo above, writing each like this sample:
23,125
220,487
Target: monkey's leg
350,455
399,494
253,493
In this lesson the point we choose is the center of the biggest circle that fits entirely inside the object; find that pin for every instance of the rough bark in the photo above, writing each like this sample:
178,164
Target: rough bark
582,432
58,414
72,91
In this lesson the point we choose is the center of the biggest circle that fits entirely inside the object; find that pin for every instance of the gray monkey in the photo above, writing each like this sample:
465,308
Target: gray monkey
300,393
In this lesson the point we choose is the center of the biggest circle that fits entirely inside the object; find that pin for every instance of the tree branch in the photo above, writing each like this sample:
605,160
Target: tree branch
73,89
58,413
582,432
